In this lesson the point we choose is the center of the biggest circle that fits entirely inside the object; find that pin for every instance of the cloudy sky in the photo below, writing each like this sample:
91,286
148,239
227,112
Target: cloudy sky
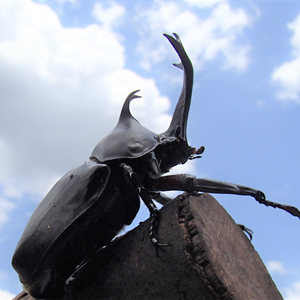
67,66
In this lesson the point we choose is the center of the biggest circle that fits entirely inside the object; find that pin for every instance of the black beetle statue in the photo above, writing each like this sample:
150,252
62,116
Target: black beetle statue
89,205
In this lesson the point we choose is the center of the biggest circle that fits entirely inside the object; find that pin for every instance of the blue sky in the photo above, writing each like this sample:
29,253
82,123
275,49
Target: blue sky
67,66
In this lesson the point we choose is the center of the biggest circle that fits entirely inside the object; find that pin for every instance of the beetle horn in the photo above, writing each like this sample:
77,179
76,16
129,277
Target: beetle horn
125,112
129,139
180,115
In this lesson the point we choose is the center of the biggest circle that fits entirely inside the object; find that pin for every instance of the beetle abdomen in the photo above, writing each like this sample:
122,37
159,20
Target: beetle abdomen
53,225
83,211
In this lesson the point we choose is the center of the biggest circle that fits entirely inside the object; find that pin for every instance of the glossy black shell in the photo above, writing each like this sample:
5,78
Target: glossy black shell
75,218
129,139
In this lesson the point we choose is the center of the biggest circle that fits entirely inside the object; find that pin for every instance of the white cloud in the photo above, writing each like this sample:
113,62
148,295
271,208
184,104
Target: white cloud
109,16
207,38
276,267
64,1
61,91
292,293
5,295
287,75
204,3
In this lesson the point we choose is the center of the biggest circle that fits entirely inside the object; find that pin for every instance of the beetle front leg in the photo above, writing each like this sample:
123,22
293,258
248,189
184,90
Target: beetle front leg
145,196
154,216
160,198
188,183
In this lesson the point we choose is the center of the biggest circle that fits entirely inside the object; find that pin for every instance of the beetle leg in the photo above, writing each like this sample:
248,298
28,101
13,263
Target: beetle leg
188,183
160,198
154,216
145,196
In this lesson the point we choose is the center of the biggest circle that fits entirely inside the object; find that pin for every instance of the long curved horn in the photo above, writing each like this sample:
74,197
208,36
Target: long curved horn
180,115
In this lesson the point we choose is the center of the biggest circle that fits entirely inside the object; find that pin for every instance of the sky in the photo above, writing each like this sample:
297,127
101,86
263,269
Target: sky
67,66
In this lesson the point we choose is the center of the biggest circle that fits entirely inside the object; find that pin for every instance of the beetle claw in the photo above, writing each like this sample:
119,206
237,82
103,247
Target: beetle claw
248,231
154,218
158,246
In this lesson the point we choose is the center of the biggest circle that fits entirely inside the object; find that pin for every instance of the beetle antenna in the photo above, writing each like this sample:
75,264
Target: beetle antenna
200,150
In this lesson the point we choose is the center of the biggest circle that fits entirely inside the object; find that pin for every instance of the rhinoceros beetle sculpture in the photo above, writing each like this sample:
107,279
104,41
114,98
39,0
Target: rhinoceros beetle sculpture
90,204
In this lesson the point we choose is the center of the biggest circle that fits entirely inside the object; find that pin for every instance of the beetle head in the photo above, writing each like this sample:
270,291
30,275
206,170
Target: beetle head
177,150
129,139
